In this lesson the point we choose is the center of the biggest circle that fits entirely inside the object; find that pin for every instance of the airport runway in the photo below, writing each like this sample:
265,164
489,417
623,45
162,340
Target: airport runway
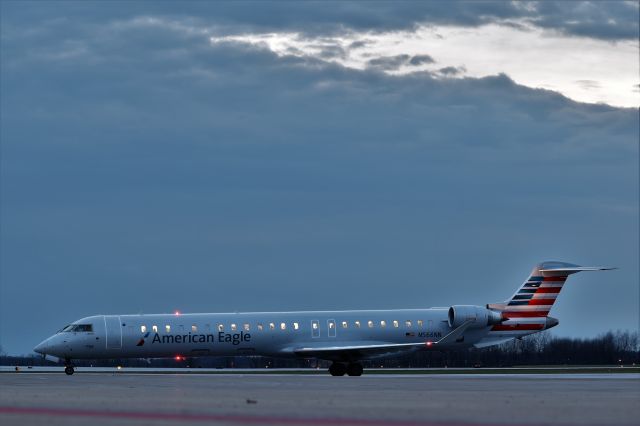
399,400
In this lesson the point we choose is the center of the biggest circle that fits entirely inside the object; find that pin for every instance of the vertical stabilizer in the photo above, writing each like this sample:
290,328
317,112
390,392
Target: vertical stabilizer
527,310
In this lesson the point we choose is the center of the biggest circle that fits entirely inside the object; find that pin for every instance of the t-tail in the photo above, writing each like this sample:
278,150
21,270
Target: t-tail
527,311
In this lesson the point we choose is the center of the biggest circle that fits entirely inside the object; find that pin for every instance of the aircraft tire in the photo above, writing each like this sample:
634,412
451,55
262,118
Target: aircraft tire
68,370
354,369
337,369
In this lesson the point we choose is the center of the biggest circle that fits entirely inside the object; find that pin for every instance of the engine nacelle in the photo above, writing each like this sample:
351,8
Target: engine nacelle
481,316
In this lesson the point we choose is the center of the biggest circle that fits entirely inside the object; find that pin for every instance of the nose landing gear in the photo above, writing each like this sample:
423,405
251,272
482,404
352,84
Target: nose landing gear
68,367
340,369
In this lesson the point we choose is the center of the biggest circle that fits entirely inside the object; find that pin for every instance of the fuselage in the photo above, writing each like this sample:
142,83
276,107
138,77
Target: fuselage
344,337
258,333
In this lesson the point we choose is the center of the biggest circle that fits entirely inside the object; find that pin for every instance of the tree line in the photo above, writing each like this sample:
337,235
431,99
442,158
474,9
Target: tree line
610,348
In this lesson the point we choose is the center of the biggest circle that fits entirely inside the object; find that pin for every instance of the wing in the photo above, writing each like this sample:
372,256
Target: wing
353,352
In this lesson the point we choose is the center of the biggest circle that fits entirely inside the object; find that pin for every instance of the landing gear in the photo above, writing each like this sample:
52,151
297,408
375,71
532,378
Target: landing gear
354,369
340,369
337,369
68,367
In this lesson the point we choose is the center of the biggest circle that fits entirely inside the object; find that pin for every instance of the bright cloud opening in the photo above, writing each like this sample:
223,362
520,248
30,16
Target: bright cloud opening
583,69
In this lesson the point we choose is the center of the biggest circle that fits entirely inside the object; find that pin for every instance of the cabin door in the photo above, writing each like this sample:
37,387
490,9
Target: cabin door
113,331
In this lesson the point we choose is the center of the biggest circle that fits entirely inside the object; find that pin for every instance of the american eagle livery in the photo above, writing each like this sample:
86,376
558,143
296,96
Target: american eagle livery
343,337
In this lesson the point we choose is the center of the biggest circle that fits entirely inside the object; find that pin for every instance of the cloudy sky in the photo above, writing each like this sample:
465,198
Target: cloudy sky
284,156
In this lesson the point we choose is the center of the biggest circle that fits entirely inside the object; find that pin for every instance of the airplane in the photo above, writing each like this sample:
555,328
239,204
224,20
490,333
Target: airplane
343,337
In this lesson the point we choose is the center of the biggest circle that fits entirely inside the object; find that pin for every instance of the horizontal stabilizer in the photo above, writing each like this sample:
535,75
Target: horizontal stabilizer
574,269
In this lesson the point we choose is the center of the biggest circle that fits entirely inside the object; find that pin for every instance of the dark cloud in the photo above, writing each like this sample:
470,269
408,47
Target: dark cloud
421,59
388,63
358,44
145,169
610,20
452,71
331,51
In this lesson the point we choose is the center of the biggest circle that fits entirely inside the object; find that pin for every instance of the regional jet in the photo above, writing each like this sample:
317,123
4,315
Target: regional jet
343,337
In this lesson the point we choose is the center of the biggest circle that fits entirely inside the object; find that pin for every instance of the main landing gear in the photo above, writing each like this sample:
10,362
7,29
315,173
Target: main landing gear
68,367
351,369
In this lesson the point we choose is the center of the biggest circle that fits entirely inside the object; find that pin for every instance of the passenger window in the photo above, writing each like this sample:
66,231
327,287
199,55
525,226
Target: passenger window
408,324
357,323
332,325
194,328
383,323
314,325
272,326
395,323
344,324
295,326
167,328
220,327
143,328
246,327
370,324
283,326
260,326
234,327
420,323
155,328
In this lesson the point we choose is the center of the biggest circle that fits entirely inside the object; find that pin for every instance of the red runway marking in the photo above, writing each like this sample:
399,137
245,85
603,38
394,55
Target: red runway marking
221,418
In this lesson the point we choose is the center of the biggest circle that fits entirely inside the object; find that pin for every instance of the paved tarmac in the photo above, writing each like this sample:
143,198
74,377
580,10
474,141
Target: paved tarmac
238,399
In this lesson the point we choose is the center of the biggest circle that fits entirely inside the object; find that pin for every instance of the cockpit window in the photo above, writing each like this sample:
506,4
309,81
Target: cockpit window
78,328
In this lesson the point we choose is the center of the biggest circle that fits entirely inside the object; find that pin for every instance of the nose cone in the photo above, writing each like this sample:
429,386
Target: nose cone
42,347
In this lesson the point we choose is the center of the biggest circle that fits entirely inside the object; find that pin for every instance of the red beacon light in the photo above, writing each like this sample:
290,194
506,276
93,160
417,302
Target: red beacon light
429,343
178,358
177,312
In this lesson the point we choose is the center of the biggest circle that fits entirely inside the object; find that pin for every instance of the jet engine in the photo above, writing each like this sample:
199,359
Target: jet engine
481,316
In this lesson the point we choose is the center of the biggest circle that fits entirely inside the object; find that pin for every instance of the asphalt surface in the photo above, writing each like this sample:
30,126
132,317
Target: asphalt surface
237,399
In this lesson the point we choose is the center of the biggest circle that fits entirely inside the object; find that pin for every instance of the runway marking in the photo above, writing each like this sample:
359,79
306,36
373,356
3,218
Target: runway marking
221,418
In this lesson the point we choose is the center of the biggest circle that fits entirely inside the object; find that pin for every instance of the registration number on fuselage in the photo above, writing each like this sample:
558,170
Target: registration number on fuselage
429,334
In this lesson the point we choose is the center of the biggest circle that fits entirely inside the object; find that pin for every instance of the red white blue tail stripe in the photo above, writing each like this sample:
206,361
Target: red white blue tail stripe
527,311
